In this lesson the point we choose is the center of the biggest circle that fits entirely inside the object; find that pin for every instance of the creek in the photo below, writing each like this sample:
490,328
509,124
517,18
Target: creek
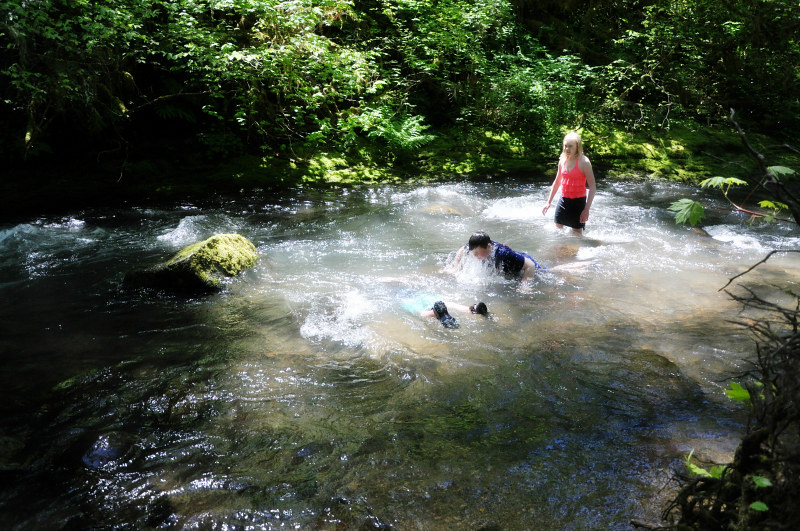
304,396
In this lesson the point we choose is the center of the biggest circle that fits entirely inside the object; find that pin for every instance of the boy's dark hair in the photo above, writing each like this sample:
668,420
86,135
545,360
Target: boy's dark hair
479,239
440,311
479,308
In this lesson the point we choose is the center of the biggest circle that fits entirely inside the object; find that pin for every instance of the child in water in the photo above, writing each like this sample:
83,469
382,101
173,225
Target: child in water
573,175
506,260
427,305
503,257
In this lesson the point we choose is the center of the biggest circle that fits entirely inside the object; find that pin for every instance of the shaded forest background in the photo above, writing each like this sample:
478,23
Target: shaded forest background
137,89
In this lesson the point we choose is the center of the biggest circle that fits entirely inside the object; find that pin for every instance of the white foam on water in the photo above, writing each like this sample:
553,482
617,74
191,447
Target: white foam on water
338,318
188,231
522,208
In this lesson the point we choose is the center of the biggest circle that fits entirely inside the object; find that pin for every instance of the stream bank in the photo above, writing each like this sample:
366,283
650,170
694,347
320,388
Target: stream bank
55,184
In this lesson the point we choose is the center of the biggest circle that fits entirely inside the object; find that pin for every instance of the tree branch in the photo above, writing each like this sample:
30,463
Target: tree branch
779,190
168,97
762,261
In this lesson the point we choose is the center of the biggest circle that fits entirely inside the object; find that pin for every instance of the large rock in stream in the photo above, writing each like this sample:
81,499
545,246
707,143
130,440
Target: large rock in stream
199,268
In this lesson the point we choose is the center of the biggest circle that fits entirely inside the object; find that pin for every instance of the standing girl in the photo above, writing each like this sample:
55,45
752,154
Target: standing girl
574,174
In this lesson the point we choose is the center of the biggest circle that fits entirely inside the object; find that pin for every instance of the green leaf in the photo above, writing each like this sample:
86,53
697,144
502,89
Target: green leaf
780,171
687,210
759,506
737,392
718,470
761,481
721,182
698,471
774,205
694,469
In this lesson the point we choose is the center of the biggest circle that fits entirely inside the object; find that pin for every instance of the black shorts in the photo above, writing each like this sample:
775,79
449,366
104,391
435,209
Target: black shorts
568,212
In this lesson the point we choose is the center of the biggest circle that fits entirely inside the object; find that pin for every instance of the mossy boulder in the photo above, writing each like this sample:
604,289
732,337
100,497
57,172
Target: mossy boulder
199,268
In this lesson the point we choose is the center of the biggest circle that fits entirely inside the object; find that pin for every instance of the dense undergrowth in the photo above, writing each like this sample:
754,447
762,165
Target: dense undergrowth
151,95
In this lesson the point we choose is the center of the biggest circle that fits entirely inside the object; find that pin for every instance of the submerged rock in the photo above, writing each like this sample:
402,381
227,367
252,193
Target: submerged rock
441,210
108,449
199,268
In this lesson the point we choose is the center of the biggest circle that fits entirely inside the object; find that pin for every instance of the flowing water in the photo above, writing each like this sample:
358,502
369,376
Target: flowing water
304,396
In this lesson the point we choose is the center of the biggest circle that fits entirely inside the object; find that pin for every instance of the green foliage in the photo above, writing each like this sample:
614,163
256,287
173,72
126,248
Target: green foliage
737,392
762,482
403,132
774,205
717,471
723,183
380,78
776,208
760,486
696,470
688,211
536,93
671,59
779,172
692,212
286,78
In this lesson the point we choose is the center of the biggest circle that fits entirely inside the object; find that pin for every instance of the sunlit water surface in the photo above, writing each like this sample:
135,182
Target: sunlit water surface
304,396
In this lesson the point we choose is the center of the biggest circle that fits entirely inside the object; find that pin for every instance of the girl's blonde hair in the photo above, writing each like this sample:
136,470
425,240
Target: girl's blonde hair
572,135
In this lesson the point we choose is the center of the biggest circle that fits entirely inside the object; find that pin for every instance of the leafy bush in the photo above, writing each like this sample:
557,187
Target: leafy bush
693,58
287,78
294,78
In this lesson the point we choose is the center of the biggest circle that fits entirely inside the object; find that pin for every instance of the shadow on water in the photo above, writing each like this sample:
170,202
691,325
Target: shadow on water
305,396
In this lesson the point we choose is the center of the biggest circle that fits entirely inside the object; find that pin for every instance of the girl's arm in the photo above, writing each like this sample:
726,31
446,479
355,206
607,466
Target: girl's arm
586,168
553,189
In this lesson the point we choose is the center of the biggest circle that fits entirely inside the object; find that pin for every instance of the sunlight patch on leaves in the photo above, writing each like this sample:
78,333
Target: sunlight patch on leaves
773,205
723,183
737,392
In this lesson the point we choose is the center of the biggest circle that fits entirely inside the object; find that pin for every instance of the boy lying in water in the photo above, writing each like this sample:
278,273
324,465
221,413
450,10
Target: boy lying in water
505,259
427,305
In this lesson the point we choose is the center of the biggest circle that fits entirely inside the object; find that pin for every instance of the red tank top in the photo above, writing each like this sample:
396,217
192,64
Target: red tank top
573,182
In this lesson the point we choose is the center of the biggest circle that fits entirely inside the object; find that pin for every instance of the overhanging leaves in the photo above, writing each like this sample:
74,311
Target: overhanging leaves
688,211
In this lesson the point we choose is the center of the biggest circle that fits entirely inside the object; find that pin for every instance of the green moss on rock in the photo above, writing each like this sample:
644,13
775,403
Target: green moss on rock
198,268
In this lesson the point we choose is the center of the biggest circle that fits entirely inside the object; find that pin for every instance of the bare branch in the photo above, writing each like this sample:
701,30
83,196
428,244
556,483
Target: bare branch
785,146
763,260
761,159
168,97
